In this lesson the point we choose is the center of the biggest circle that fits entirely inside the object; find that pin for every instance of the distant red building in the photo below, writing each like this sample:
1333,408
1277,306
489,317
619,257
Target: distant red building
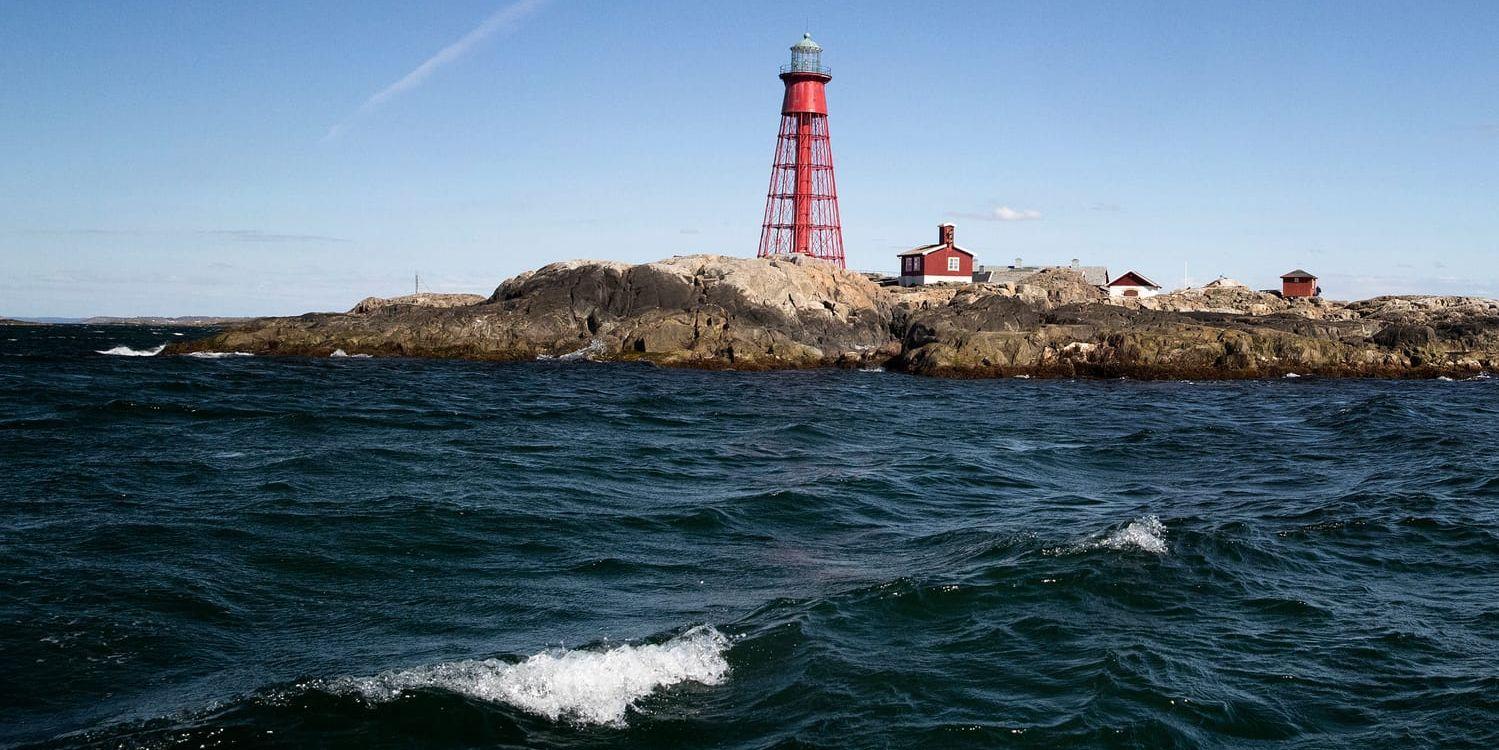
940,263
1299,283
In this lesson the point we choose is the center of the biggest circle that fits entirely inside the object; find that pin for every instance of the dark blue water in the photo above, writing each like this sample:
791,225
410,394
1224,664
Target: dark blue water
249,552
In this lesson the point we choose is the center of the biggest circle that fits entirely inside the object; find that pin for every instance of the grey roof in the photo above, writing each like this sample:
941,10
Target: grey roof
1296,273
1095,275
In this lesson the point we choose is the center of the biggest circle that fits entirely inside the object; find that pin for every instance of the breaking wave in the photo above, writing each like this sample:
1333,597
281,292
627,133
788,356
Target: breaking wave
342,353
586,687
218,355
1146,533
125,351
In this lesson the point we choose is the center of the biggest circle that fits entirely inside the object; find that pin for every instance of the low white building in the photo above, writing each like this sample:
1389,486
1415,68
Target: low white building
1132,284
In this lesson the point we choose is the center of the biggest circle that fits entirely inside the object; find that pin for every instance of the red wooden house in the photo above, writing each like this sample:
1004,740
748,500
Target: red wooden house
940,263
1299,283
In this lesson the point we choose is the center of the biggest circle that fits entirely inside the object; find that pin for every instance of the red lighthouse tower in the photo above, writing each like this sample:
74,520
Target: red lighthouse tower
801,210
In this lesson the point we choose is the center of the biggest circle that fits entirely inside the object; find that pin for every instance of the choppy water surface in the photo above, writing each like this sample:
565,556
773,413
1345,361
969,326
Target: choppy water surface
363,553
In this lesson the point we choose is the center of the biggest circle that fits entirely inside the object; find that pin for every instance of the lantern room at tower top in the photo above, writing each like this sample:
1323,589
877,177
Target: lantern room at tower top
805,78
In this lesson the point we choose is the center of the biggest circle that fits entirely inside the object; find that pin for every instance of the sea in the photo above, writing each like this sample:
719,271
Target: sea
346,552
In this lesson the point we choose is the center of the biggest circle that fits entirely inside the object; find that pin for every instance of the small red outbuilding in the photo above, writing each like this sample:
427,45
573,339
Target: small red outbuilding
940,263
1299,283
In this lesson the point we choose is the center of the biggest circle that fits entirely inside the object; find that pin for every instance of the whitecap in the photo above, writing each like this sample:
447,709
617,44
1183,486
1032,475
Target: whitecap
125,351
1292,375
1145,533
218,355
342,353
177,334
1444,378
586,687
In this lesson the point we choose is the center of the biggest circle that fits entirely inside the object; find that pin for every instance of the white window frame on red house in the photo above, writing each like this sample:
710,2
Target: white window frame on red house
954,263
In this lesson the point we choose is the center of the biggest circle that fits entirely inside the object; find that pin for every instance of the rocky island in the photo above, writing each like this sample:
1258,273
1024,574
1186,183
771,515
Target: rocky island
719,312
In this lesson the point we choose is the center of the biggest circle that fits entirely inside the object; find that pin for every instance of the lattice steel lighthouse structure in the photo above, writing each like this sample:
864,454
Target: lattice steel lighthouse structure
801,210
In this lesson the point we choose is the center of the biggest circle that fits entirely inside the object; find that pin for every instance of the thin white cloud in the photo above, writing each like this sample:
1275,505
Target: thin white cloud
504,19
238,235
1001,213
257,235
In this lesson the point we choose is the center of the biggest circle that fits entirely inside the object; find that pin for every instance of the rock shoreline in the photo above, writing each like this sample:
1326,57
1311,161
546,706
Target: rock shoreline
715,312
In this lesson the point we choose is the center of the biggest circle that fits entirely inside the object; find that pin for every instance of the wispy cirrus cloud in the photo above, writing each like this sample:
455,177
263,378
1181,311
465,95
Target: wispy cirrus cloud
504,19
257,235
1000,213
237,235
86,231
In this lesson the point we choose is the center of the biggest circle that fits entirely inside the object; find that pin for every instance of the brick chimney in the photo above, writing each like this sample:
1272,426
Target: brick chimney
945,234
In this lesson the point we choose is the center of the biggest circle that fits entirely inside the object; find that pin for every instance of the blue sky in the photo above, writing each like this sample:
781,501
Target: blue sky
278,157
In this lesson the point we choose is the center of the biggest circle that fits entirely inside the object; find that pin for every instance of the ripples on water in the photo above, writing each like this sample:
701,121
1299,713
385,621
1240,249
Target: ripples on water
365,552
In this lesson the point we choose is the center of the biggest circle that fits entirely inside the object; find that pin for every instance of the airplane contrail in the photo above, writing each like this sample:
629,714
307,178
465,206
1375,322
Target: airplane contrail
504,19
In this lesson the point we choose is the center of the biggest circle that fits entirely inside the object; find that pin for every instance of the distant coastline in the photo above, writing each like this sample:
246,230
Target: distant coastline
717,312
188,321
184,321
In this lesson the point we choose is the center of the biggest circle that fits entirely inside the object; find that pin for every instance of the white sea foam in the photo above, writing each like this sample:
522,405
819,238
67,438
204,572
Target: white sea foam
1292,375
594,347
342,353
1144,533
125,351
587,687
218,355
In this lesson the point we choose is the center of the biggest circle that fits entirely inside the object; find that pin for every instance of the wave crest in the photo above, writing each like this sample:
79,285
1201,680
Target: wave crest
125,351
1146,533
588,687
